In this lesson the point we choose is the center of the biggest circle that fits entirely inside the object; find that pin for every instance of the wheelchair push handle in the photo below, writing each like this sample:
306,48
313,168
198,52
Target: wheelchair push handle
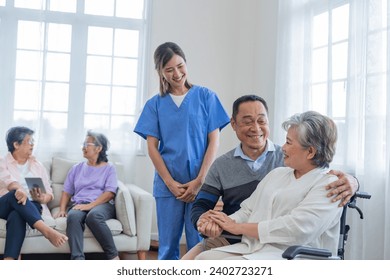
364,195
352,203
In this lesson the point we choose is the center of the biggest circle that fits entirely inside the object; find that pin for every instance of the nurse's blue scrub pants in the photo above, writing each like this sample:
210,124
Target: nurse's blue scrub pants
172,216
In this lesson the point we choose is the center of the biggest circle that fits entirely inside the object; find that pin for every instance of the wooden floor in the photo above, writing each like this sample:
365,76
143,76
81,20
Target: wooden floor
153,252
151,255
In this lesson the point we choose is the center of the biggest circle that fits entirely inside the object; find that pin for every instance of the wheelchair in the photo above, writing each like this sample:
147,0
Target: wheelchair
305,252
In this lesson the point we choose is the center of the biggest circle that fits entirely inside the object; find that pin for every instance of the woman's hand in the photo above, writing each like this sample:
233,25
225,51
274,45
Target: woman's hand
225,222
62,213
83,207
191,190
38,196
230,225
21,196
176,188
207,226
343,189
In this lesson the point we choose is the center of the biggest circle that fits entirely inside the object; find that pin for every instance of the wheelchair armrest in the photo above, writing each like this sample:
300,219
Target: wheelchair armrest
292,251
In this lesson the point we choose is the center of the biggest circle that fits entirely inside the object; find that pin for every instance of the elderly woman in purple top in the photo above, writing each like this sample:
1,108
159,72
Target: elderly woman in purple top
91,188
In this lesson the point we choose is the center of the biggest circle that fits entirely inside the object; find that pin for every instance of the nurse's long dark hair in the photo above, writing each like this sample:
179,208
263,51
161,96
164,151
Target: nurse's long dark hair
100,140
162,55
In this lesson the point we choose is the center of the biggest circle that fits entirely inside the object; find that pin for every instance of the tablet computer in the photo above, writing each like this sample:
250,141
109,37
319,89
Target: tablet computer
35,182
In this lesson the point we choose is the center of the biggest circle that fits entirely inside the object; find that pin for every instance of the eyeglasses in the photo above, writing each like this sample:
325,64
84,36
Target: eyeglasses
86,144
30,141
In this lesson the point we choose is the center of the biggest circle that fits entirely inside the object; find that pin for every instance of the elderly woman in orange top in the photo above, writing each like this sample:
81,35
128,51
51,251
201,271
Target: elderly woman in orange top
18,205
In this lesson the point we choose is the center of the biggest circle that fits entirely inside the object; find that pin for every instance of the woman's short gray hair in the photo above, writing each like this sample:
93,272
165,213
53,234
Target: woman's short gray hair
100,140
317,131
17,134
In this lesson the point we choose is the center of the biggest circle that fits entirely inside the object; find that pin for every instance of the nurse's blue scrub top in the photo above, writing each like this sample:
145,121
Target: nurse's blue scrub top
182,132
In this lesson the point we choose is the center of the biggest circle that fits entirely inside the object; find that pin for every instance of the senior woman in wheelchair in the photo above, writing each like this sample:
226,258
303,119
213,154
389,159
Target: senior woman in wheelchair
290,205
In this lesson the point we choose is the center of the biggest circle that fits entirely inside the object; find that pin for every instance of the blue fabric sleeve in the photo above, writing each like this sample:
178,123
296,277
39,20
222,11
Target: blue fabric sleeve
148,124
217,114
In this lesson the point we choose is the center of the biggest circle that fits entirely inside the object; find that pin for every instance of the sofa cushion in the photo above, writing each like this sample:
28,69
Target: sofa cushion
125,206
60,168
114,225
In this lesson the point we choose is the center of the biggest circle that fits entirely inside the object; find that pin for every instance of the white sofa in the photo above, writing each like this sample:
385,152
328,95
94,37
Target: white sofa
131,229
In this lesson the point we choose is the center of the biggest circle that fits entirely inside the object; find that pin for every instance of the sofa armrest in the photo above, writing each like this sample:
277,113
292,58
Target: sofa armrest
143,204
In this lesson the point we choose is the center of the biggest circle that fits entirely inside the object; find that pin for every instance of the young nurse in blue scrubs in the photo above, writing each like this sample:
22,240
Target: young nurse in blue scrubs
181,125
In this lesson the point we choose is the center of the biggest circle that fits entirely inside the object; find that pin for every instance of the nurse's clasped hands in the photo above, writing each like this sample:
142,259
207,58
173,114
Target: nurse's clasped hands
191,190
176,188
185,192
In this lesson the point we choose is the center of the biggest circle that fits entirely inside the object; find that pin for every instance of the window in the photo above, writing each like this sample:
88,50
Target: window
329,66
333,62
333,57
69,66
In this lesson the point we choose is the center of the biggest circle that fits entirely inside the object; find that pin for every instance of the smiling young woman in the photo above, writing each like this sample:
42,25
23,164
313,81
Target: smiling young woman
181,125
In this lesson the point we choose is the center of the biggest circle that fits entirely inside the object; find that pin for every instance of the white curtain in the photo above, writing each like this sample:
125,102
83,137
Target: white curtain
63,72
365,131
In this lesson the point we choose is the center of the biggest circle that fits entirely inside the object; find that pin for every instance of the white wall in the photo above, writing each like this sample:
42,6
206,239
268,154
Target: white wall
230,47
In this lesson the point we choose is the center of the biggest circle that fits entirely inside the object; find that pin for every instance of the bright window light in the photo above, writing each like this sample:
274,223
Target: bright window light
130,9
72,65
31,4
99,7
97,99
320,65
29,65
329,62
320,30
340,24
56,97
126,43
30,35
124,100
125,72
27,95
100,40
68,6
99,69
59,37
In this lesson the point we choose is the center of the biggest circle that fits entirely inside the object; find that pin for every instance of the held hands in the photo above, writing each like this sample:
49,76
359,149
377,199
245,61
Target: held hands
225,222
207,226
343,189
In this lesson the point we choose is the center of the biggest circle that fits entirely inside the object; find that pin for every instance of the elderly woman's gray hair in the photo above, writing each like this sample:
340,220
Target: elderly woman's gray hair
100,140
17,134
317,131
